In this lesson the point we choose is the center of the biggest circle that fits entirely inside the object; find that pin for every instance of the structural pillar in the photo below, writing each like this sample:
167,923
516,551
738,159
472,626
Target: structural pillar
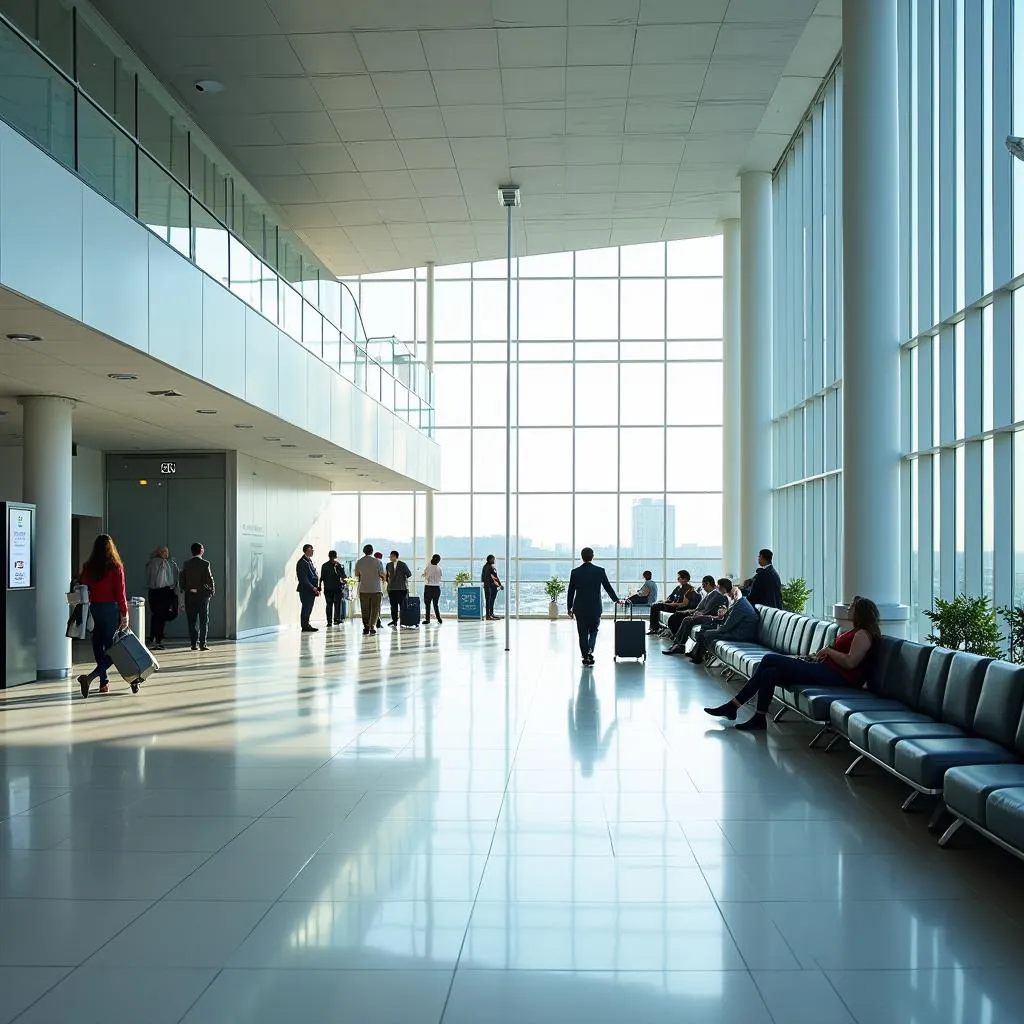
732,545
755,408
428,525
46,475
871,275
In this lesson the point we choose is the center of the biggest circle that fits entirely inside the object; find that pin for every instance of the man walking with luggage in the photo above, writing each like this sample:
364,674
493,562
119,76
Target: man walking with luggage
308,587
198,588
397,574
584,600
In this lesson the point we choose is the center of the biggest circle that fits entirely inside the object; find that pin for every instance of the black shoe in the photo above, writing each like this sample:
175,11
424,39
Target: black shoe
654,632
195,647
84,682
366,631
204,647
134,684
757,723
392,625
310,629
373,632
723,711
674,650
426,622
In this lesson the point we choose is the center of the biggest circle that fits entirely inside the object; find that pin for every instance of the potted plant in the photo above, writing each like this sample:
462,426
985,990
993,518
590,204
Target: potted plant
554,588
352,598
462,576
966,624
1015,620
795,595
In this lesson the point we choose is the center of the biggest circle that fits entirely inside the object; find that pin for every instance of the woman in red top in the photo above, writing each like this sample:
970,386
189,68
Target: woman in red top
103,574
844,663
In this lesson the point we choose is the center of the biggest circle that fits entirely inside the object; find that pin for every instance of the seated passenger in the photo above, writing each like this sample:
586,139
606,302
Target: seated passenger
683,598
647,592
844,663
741,622
710,611
765,586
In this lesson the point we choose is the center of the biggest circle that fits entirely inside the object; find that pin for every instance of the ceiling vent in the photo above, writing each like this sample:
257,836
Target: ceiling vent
167,393
508,195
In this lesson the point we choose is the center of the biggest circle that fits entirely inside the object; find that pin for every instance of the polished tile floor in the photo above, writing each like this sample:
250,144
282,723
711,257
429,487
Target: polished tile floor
417,828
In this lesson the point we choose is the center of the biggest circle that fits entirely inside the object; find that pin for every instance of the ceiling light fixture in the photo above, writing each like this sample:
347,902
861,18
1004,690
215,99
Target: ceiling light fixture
122,376
289,446
166,393
206,412
316,456
208,85
271,439
243,426
18,336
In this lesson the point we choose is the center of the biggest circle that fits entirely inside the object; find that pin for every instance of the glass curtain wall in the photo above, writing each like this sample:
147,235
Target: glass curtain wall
962,92
617,411
807,354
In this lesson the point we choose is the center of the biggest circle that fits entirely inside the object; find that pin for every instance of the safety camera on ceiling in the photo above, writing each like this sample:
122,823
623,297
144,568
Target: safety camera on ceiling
208,85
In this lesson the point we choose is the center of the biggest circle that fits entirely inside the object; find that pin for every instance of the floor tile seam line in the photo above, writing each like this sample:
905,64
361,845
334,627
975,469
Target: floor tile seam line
206,988
42,995
846,1006
42,803
291,881
771,920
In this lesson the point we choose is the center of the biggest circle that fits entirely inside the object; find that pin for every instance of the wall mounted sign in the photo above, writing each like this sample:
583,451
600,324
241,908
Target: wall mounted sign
168,468
19,548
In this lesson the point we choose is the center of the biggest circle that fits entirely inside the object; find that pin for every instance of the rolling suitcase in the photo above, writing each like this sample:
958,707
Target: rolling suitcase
132,658
630,637
411,612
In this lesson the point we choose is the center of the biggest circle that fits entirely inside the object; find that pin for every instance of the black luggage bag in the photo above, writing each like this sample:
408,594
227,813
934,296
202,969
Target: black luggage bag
411,611
630,636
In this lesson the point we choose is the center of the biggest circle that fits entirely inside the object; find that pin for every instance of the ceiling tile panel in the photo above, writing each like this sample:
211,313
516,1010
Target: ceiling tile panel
529,12
474,122
356,213
776,10
431,184
657,116
361,125
531,85
305,127
276,95
237,55
269,160
427,154
532,47
589,46
340,187
672,12
603,12
323,158
593,178
390,185
647,177
416,122
714,117
287,188
327,53
447,208
716,150
537,151
668,44
391,51
462,88
404,88
346,92
376,156
605,119
653,149
760,43
668,81
595,86
530,122
459,51
251,130
728,80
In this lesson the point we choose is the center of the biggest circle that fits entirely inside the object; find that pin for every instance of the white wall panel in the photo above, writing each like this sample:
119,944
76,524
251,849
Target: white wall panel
385,437
341,412
41,225
318,397
223,338
115,297
291,382
87,483
278,511
175,309
261,340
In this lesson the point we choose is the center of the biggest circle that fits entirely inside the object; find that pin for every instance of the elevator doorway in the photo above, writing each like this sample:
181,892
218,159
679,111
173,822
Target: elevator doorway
173,500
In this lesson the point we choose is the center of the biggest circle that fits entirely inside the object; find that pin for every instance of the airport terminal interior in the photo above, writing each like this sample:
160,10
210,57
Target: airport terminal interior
702,285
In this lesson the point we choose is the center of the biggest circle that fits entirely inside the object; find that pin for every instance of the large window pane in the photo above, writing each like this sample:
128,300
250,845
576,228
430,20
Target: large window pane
597,263
106,157
647,260
545,523
490,311
545,310
597,459
545,391
597,523
489,387
451,530
163,205
104,77
695,309
545,459
209,244
643,393
489,460
694,460
452,390
597,394
597,309
642,458
642,313
695,393
695,257
452,311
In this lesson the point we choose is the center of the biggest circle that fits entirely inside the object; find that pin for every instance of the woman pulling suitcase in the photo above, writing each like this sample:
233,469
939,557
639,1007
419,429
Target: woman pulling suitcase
103,574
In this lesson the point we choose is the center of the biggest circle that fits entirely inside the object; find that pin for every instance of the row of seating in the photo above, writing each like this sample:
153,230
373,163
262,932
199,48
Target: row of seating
946,723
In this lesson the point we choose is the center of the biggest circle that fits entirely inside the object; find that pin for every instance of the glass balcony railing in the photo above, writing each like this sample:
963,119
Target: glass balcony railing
63,88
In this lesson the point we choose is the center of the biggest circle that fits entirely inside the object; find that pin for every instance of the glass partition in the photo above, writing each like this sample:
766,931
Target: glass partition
64,86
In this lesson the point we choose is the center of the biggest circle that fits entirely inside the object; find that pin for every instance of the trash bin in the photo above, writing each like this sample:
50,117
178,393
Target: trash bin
137,616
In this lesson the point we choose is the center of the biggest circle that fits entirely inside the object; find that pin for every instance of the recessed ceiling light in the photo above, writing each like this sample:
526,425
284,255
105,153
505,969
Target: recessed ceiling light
207,412
18,336
328,463
289,446
122,376
243,426
271,439
316,456
166,393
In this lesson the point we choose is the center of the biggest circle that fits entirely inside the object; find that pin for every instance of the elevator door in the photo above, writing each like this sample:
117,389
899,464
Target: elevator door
174,512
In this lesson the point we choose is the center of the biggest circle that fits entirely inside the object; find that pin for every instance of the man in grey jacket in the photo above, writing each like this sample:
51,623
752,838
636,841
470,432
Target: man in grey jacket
741,622
710,612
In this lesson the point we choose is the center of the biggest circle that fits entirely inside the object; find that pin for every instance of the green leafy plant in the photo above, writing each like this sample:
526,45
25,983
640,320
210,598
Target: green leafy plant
463,576
966,624
795,595
1015,620
554,588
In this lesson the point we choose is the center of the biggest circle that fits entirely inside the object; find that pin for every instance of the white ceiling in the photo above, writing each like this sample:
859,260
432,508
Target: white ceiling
381,129
120,416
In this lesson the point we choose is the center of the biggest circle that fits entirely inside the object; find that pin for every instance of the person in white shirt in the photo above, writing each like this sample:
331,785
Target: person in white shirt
162,582
370,573
432,577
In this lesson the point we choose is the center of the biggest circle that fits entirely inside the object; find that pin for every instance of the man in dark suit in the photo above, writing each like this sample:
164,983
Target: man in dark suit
584,600
309,586
740,623
196,581
765,587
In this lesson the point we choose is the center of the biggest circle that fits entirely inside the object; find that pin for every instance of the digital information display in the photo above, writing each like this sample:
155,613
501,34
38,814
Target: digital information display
19,548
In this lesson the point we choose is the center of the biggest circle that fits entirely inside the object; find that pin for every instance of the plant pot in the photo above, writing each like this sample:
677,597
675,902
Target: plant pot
552,611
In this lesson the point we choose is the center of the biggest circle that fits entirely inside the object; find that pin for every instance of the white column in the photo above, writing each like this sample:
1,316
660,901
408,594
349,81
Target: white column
755,410
871,274
47,485
732,545
428,526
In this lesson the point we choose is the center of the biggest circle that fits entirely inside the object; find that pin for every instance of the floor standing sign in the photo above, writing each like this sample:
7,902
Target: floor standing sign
18,593
471,601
